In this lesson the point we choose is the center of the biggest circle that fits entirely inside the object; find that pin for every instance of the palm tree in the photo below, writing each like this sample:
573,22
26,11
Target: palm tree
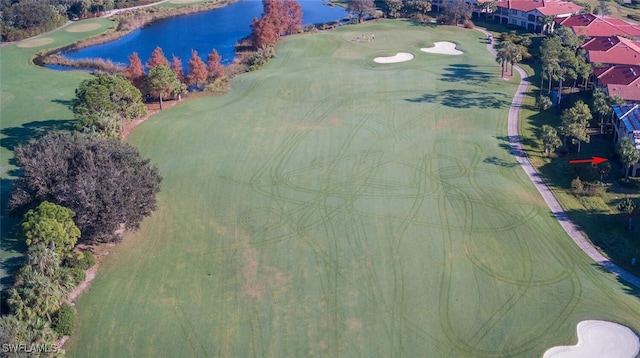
44,260
628,207
550,140
601,106
628,154
502,58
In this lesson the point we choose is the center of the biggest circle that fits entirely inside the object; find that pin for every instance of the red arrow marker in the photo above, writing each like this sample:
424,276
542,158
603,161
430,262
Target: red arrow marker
593,161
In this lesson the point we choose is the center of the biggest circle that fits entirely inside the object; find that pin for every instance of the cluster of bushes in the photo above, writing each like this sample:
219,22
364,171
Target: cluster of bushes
38,313
74,188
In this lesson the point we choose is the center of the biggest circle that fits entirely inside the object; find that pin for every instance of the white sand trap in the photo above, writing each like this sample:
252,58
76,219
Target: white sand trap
598,339
443,47
399,57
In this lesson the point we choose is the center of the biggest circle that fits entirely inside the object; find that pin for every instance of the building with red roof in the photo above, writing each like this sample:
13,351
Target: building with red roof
612,50
626,123
530,14
619,80
593,26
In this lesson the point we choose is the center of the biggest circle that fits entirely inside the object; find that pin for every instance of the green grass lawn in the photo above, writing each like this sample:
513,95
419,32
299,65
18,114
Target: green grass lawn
332,206
33,100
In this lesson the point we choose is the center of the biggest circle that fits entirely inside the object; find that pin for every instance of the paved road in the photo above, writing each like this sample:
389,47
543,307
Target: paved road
547,195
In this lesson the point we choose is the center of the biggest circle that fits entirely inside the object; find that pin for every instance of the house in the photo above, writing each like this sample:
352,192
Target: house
530,14
626,123
591,25
612,50
619,80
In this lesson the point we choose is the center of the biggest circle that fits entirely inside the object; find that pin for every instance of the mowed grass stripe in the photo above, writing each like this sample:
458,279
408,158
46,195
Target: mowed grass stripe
332,206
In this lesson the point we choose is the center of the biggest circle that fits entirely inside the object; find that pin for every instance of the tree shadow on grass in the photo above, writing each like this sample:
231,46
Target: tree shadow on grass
506,141
465,73
18,136
465,99
499,162
10,243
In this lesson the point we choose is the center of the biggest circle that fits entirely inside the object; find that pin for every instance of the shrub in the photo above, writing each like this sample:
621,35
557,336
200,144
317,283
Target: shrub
64,320
78,275
87,260
577,187
543,102
468,24
593,190
257,61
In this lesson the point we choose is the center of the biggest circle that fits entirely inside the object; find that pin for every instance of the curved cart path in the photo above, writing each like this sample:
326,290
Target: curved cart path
549,198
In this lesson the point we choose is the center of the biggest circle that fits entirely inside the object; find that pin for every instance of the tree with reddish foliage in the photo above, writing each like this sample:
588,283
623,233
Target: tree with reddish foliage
157,59
214,68
280,17
264,33
135,72
197,70
176,67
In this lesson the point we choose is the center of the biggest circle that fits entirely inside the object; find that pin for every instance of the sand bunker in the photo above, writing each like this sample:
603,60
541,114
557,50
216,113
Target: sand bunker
84,27
598,339
399,57
443,47
36,42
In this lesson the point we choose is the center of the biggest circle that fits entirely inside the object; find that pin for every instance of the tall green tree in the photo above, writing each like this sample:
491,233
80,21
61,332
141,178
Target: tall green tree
421,7
103,180
162,82
103,104
392,8
550,139
360,8
456,11
574,123
601,106
628,208
51,225
628,154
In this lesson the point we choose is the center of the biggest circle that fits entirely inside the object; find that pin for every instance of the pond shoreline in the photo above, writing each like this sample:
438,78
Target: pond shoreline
128,21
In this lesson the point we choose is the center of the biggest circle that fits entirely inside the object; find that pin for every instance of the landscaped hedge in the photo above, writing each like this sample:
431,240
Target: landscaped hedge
64,320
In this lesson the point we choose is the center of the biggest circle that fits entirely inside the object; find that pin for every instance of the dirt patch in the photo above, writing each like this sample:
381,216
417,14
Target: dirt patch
84,27
36,42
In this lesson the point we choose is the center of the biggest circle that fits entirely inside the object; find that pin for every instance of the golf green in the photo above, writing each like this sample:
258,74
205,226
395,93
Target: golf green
333,206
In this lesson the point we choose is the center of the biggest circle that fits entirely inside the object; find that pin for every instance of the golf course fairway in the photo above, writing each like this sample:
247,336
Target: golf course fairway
329,205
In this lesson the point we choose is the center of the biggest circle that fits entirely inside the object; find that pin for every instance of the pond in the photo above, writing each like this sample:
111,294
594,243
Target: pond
220,29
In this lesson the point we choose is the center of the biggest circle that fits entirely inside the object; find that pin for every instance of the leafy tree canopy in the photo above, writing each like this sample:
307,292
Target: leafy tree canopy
104,181
51,225
102,104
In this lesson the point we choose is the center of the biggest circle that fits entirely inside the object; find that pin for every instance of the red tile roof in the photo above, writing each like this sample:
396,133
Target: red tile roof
592,26
612,50
622,81
628,93
619,75
552,8
546,7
